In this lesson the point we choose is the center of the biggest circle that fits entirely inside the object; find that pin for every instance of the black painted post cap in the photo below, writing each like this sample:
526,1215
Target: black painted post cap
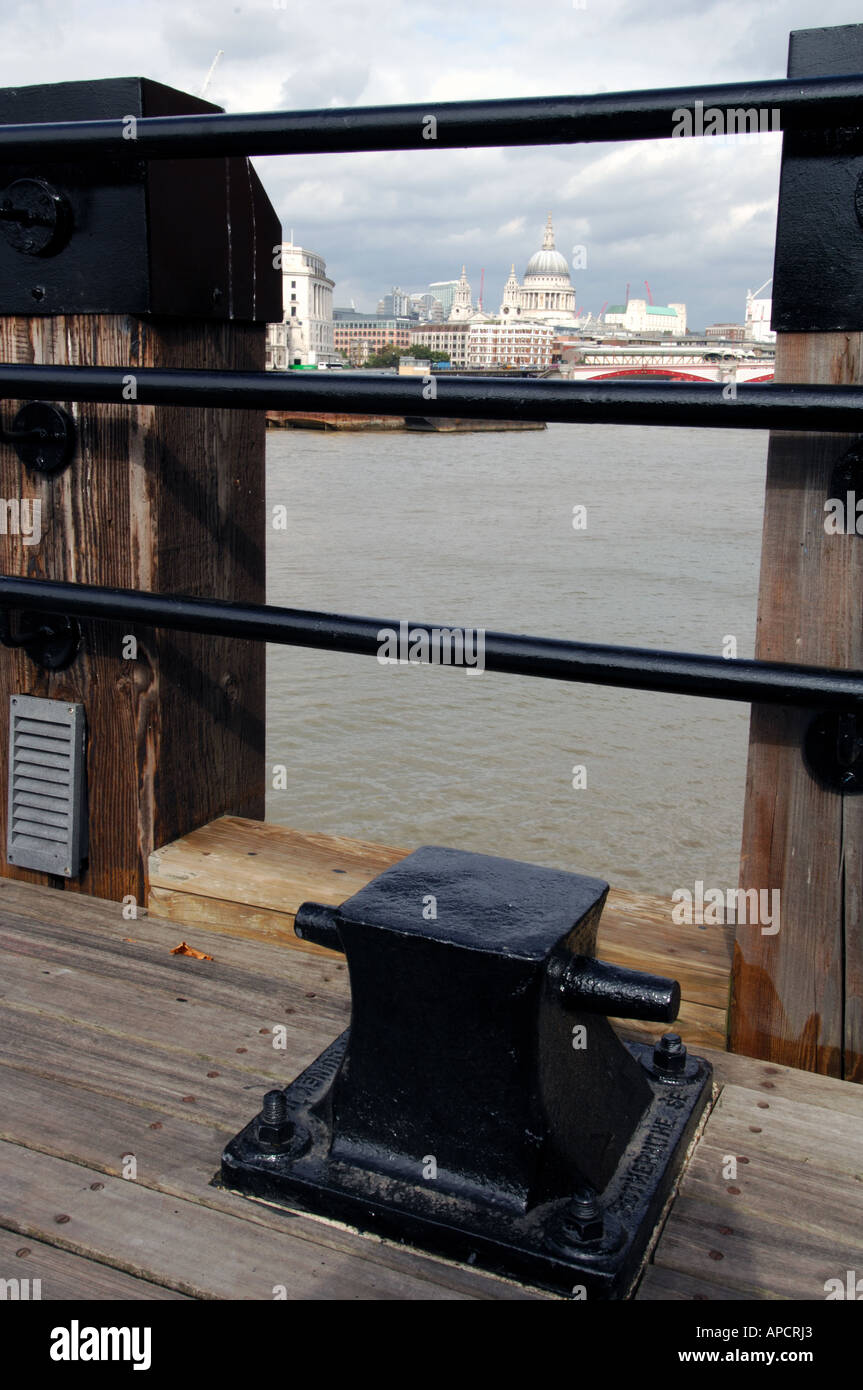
178,238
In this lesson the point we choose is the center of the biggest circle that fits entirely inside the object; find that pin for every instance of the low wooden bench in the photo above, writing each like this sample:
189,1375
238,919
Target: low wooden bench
248,878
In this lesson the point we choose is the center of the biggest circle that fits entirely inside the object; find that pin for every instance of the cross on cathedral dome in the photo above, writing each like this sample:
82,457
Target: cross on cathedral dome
548,261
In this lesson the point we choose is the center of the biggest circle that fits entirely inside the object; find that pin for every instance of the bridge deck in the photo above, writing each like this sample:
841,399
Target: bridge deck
116,1047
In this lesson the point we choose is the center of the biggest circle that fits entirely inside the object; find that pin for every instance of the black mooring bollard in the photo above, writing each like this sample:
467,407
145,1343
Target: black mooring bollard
481,1105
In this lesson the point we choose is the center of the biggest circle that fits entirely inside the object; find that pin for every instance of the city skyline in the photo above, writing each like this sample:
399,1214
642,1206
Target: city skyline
695,217
492,297
483,296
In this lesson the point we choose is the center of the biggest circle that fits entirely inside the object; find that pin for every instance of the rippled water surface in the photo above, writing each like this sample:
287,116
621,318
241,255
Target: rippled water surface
476,529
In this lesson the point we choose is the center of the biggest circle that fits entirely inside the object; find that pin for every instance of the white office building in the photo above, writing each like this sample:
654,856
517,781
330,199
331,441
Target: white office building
758,315
502,343
638,316
305,335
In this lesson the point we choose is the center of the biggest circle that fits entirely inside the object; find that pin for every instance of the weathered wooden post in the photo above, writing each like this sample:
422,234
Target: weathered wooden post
133,264
797,995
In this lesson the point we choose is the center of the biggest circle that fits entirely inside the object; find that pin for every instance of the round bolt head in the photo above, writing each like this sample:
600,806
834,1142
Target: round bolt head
36,220
833,751
669,1054
52,436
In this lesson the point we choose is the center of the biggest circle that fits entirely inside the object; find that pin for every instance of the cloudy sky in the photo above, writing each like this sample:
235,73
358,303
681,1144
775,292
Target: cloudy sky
694,218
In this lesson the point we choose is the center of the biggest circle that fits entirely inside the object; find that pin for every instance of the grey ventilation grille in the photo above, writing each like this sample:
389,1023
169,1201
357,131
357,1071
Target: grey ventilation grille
47,827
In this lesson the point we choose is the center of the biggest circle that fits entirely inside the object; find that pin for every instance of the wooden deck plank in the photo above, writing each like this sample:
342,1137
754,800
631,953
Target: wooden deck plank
791,1216
699,1024
119,1073
95,921
802,1137
775,1081
110,1036
757,1257
207,877
183,1245
292,866
71,1278
178,1157
665,1285
172,986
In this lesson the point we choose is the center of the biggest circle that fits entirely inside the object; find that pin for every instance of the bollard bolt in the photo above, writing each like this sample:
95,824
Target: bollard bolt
275,1130
582,1220
669,1054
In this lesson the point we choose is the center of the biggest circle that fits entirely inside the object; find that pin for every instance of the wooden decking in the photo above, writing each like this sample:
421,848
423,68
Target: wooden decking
115,1047
248,878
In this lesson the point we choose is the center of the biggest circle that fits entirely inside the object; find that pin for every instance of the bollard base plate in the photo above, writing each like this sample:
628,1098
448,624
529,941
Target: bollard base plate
443,1216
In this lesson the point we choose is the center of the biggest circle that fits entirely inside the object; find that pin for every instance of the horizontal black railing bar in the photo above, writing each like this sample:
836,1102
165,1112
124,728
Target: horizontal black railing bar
750,406
638,668
813,103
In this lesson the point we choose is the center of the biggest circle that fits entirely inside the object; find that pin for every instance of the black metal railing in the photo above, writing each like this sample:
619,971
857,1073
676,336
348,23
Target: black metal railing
753,406
812,104
549,658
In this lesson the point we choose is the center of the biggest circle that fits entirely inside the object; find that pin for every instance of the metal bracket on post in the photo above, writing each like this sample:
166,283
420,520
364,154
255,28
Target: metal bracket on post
122,235
34,218
833,751
42,435
50,640
481,1105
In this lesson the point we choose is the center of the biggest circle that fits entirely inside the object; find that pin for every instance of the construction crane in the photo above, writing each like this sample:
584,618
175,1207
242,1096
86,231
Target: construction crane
602,311
208,79
481,287
649,295
751,296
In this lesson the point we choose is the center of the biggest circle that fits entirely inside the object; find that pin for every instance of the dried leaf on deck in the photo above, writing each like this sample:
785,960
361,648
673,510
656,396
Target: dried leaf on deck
184,949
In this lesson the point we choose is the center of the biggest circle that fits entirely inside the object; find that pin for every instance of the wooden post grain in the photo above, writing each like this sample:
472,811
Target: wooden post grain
161,499
797,995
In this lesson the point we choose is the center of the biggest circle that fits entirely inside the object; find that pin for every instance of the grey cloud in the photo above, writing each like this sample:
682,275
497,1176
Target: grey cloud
663,214
325,83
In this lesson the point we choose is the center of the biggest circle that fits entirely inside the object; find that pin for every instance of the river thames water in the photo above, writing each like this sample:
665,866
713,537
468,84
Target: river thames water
477,530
